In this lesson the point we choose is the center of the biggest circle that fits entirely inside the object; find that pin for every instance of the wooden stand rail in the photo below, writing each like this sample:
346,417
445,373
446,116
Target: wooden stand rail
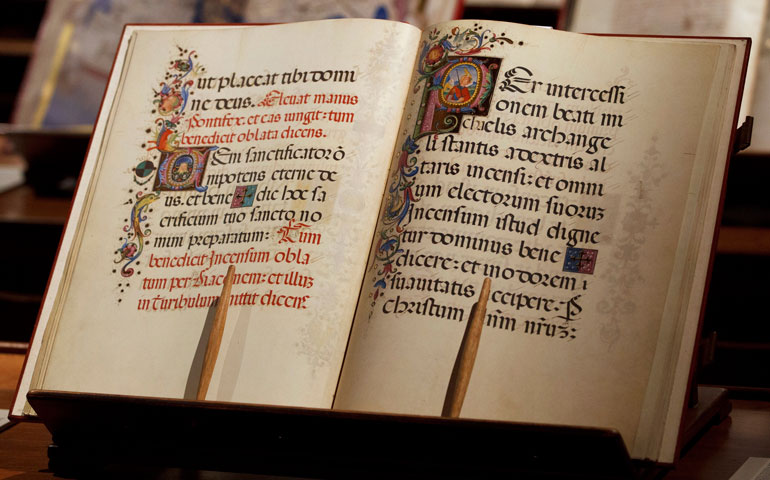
93,433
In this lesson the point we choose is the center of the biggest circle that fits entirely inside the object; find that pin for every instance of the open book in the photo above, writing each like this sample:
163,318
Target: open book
364,177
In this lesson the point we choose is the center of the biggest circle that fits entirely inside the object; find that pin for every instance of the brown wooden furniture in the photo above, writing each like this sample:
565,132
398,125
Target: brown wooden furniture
719,453
93,434
30,228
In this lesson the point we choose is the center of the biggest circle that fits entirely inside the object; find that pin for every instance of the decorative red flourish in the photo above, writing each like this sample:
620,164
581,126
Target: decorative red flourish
270,99
286,231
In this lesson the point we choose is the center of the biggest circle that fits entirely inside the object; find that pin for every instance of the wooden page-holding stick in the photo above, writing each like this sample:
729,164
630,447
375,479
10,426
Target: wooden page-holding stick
466,356
215,336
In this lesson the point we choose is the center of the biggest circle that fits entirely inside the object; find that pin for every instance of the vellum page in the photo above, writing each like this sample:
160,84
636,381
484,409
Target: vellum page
558,165
723,18
677,338
264,147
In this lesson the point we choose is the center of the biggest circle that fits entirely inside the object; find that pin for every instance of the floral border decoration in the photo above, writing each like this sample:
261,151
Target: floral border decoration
169,104
437,54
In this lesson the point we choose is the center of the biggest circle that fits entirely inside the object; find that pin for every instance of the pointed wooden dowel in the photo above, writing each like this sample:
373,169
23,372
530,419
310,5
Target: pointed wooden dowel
215,336
466,356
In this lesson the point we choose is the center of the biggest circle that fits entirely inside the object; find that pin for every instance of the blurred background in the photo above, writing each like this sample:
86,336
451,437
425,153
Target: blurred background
56,55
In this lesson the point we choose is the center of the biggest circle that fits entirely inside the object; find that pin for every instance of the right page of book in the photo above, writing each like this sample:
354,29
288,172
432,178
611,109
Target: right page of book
581,175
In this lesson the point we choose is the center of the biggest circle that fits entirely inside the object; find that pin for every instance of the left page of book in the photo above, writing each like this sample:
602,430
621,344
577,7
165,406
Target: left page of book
263,147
